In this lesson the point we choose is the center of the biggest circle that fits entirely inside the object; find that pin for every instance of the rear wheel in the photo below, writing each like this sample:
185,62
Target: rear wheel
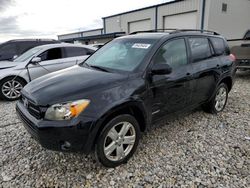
219,101
118,141
10,88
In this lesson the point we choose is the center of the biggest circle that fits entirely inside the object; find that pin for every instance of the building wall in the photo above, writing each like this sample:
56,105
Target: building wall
80,34
234,22
69,36
178,11
146,19
121,23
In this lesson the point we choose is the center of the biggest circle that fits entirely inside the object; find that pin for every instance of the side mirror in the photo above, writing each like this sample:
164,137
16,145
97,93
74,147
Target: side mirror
15,56
161,69
36,60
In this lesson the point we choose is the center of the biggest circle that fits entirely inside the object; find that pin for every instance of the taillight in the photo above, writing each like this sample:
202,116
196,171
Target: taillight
232,57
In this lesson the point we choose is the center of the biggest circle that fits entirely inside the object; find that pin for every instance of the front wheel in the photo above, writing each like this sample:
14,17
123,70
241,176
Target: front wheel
219,101
10,88
118,141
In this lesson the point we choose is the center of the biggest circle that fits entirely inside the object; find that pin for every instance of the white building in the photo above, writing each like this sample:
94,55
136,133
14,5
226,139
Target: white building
231,18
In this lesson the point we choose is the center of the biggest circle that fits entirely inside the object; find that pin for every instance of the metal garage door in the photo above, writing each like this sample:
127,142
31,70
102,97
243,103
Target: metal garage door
139,25
181,21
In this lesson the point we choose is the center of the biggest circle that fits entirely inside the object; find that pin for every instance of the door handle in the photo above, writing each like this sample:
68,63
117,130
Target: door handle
188,74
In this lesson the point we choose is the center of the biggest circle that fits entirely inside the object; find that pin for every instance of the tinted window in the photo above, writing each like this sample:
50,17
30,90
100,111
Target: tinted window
75,51
55,53
173,53
200,48
218,45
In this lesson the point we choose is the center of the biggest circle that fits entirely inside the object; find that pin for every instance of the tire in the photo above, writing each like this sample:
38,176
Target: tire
113,157
217,103
16,84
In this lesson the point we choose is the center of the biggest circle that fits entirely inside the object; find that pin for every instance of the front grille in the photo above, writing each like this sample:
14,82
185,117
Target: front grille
32,129
33,109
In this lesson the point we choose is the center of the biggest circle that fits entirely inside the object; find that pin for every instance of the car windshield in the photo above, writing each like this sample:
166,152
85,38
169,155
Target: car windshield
121,54
27,55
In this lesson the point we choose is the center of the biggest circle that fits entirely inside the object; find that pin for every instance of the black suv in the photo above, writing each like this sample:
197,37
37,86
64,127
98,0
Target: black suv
14,48
125,88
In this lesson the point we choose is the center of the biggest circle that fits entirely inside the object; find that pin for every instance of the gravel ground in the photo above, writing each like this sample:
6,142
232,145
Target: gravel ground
198,150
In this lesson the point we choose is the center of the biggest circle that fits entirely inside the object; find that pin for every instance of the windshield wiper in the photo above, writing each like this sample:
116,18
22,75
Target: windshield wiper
98,67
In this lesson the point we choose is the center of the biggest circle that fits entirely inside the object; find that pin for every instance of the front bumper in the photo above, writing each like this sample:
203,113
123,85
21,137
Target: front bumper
57,135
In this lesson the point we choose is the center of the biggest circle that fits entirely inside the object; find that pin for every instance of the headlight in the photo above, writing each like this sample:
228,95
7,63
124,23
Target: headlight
66,111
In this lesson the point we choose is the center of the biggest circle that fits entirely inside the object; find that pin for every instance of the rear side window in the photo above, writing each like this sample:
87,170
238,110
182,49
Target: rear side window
75,51
247,35
51,54
200,48
218,45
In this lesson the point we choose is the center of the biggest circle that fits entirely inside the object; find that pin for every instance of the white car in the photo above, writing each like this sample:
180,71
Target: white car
36,62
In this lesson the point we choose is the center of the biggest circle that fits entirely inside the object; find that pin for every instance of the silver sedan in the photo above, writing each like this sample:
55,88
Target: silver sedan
36,62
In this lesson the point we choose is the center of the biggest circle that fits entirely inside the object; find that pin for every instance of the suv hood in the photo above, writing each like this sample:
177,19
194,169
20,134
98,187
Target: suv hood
8,64
70,84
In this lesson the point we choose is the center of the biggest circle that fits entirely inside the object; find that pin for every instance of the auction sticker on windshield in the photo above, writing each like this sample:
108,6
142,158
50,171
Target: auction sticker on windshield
141,45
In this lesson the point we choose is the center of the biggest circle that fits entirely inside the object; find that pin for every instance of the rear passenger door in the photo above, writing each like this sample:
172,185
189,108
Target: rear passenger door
205,67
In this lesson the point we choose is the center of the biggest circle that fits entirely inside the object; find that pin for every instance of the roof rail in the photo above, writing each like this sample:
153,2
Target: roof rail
174,30
153,31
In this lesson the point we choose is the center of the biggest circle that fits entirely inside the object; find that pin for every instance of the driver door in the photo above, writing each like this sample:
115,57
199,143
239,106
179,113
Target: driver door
51,60
172,92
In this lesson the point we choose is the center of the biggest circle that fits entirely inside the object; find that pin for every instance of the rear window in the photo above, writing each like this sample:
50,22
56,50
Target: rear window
200,48
75,51
218,45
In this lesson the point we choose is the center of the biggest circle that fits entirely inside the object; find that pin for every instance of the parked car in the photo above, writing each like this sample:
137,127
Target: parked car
124,89
241,49
14,48
36,62
97,45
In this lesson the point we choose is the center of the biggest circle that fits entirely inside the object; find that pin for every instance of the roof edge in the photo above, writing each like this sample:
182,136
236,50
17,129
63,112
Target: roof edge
81,31
140,9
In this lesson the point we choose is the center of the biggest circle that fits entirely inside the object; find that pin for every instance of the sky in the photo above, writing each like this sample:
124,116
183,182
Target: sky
49,18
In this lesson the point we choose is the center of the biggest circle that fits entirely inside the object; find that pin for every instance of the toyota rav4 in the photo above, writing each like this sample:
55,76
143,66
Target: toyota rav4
125,88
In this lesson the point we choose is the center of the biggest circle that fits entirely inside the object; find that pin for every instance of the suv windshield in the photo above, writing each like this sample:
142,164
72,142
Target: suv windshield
121,54
27,55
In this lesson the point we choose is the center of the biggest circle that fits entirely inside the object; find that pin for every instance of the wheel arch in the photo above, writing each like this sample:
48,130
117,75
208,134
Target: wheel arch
228,81
131,108
14,76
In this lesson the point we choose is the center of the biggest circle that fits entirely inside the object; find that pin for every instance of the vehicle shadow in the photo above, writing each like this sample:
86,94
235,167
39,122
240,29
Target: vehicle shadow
243,74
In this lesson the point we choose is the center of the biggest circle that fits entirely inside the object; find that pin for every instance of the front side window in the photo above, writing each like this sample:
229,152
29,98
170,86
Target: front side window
121,54
51,54
173,53
200,48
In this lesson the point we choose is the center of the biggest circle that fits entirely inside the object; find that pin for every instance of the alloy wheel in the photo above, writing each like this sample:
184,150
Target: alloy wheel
12,89
119,141
220,99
